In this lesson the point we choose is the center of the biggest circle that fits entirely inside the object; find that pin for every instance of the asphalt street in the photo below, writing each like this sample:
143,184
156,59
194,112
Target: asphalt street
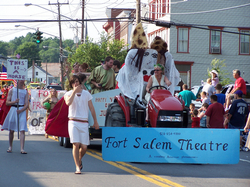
48,164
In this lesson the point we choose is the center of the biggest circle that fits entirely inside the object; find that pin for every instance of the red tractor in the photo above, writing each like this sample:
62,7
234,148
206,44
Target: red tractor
164,110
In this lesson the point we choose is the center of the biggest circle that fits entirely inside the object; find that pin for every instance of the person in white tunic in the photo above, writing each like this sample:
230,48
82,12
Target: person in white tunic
79,102
11,120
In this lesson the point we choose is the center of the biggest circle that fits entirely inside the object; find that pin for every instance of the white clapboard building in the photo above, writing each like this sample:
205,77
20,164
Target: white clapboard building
192,48
39,75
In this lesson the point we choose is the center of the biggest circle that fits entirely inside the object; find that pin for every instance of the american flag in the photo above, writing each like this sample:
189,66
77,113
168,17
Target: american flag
3,75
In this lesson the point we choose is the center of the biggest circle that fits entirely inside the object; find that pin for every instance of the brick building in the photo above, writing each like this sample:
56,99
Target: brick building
119,29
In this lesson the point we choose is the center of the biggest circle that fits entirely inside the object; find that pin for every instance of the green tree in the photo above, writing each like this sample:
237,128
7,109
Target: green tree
14,44
92,53
218,65
4,46
29,50
49,50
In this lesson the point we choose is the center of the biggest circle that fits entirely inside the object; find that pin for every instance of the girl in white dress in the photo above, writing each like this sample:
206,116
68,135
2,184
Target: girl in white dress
79,102
10,122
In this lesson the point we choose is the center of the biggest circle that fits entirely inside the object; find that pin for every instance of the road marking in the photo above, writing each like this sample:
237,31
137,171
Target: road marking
136,171
53,138
244,160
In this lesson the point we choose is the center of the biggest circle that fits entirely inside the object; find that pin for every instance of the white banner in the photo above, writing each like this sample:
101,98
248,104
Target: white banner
37,115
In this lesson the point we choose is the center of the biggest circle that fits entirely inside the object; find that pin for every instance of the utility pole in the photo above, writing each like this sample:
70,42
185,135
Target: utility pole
82,34
76,36
46,73
33,70
60,35
138,11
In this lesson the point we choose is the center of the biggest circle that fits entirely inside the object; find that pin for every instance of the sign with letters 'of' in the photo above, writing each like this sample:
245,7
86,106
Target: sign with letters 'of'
17,69
37,114
171,145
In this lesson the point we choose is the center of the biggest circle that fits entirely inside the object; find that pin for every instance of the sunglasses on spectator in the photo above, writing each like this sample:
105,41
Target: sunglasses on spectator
157,70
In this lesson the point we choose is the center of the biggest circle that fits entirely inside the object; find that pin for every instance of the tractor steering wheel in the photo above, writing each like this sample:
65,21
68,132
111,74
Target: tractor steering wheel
158,86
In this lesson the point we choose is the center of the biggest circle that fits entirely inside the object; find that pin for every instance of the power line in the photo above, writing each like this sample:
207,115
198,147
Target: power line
206,11
169,24
76,20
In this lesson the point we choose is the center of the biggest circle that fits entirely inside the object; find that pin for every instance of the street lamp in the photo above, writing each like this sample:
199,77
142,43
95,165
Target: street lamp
35,29
29,4
60,35
56,48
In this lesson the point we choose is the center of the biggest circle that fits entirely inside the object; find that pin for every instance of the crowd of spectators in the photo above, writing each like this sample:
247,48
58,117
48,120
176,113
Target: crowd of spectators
219,110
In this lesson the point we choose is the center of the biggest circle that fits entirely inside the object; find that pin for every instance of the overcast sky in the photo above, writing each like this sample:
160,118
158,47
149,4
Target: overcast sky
15,9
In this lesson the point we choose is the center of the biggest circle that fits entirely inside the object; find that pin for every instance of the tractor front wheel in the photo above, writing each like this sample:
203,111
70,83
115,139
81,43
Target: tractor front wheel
115,116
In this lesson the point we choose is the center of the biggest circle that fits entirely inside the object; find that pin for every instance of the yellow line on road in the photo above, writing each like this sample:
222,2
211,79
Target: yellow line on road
136,171
53,138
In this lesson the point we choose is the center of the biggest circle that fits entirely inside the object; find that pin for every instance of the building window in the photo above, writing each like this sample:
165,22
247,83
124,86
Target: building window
158,8
244,42
215,40
183,40
36,73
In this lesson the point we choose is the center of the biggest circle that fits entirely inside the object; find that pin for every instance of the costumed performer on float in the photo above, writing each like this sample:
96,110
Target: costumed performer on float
102,78
139,65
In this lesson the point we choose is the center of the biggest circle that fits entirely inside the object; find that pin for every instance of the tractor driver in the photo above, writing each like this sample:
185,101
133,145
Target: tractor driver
158,79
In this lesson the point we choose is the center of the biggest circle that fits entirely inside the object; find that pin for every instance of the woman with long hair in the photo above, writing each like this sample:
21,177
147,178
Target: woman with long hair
52,100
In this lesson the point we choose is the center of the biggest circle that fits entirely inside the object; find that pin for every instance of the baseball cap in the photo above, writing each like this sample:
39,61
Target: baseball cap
239,93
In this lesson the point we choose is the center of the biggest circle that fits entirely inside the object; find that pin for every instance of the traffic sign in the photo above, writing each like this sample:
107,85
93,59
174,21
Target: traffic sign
17,69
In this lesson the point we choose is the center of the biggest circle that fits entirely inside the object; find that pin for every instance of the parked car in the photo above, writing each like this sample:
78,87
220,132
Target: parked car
197,92
228,88
57,87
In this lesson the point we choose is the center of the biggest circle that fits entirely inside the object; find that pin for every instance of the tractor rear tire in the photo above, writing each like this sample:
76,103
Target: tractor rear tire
115,116
66,143
60,139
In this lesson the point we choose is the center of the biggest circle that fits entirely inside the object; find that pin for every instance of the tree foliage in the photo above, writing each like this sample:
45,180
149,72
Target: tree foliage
218,65
89,52
4,46
30,51
92,53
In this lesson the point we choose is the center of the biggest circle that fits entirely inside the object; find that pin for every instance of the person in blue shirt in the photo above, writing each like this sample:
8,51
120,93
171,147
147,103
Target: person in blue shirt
221,98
